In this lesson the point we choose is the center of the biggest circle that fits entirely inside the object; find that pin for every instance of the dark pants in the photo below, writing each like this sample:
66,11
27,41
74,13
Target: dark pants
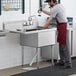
63,48
64,54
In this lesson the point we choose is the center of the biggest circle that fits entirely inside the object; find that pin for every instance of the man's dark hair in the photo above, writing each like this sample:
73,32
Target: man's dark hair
51,0
54,1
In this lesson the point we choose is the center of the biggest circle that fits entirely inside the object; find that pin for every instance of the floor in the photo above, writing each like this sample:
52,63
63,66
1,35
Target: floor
20,69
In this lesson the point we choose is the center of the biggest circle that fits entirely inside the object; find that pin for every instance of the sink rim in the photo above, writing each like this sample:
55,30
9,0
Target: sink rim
31,32
27,30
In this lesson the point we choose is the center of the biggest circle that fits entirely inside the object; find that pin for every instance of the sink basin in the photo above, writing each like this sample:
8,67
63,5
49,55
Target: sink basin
28,28
34,29
38,38
37,28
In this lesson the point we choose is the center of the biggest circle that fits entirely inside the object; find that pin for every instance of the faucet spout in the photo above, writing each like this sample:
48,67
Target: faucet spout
25,23
30,19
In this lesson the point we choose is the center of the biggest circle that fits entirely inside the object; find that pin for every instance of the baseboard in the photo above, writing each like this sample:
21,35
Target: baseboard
74,57
55,60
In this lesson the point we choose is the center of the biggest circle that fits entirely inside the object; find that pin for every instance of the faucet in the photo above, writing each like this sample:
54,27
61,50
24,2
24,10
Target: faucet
25,24
30,19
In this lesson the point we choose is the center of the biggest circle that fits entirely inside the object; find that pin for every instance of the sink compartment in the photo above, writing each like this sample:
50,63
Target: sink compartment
32,30
38,28
38,39
29,40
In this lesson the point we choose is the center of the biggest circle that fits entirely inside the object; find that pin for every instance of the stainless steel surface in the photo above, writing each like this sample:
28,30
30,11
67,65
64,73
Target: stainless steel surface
29,40
2,33
37,59
71,42
22,47
37,40
34,29
52,55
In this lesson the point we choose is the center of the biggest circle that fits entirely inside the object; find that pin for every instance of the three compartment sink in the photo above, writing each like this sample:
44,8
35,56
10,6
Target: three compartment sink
38,37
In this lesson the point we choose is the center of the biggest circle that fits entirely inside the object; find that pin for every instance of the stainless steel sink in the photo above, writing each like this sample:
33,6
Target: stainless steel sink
27,30
39,38
32,29
37,28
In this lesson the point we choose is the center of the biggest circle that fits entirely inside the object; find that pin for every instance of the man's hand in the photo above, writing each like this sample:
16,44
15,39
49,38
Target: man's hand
45,27
40,8
48,22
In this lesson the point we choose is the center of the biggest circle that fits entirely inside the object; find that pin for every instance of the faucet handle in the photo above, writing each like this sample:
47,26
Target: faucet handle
30,21
25,23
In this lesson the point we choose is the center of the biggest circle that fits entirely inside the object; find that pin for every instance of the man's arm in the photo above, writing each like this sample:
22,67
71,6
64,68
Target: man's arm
48,22
44,11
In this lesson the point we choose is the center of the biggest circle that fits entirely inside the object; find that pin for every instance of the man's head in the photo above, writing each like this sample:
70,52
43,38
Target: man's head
51,2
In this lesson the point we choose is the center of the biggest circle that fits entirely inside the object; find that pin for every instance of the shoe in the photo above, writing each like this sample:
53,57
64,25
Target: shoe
59,64
67,67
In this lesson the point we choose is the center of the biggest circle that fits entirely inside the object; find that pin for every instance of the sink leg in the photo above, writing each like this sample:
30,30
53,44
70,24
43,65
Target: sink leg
37,59
52,53
22,47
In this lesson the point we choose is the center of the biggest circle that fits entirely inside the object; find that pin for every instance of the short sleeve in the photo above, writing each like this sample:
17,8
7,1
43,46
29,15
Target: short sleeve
53,12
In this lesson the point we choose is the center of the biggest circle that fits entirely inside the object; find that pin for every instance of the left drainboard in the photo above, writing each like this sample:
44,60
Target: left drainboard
2,33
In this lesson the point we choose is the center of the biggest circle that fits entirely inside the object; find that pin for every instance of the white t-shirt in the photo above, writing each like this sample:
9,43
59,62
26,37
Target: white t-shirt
58,12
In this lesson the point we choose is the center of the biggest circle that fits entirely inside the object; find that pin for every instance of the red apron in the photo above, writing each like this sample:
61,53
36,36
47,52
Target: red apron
62,31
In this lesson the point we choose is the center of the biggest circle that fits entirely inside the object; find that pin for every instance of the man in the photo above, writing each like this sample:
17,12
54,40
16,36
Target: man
57,11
